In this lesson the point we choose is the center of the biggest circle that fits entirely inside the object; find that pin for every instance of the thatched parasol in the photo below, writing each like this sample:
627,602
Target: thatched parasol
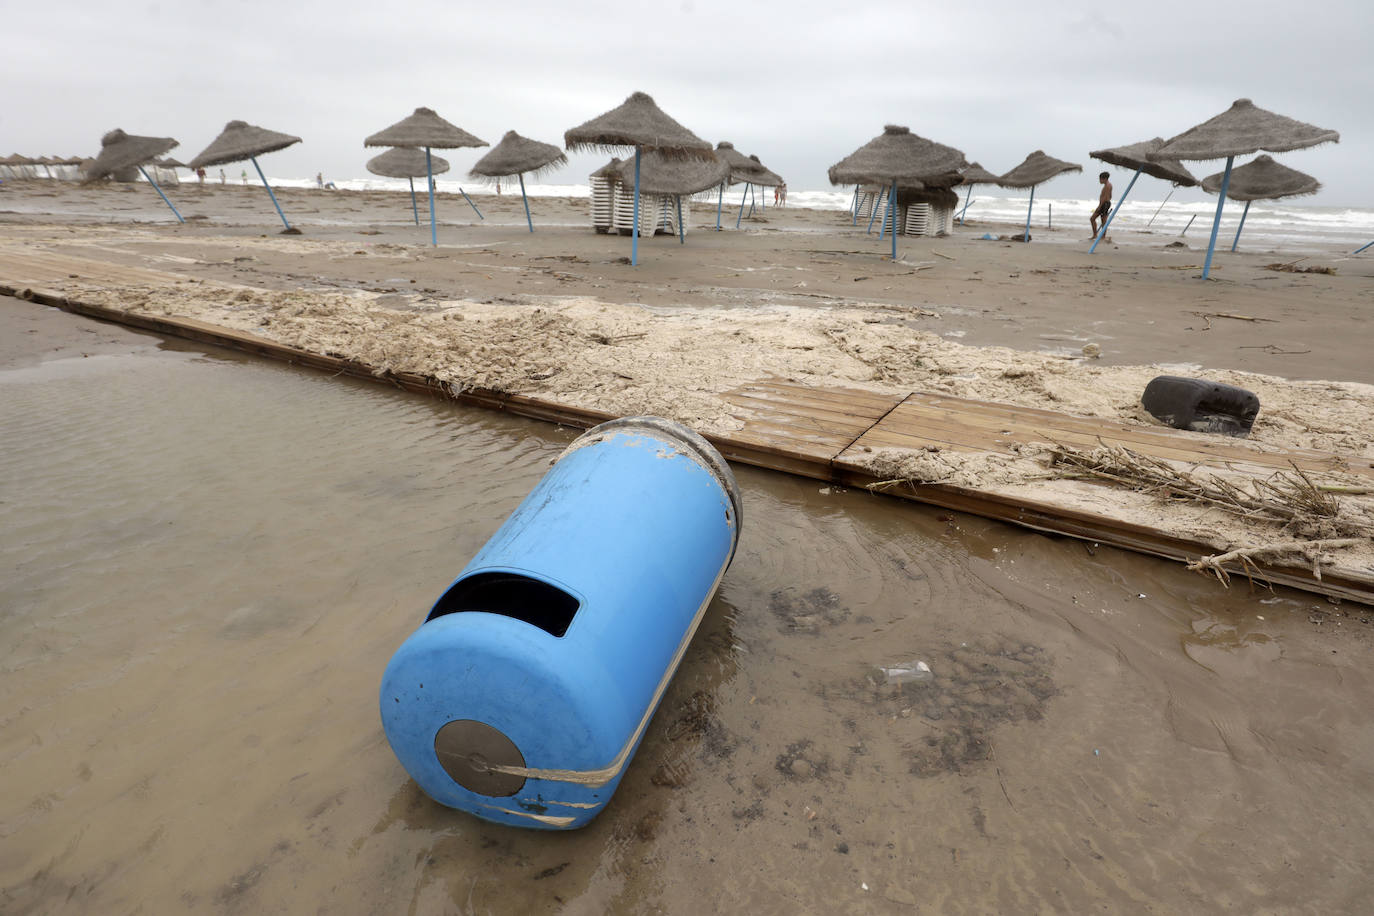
119,151
409,163
239,141
767,178
896,156
764,178
1037,168
516,155
638,122
1137,156
425,129
970,176
741,167
1242,129
1261,179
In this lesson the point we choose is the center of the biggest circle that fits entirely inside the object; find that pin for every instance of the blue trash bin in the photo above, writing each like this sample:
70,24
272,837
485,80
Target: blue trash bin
526,691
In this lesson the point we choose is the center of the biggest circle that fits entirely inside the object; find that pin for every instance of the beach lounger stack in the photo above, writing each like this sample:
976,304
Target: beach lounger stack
917,219
650,211
941,220
603,203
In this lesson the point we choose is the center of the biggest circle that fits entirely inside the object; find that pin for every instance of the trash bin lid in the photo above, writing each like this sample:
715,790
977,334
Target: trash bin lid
468,749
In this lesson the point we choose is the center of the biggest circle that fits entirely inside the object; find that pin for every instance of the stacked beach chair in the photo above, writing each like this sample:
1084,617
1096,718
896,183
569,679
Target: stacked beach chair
603,203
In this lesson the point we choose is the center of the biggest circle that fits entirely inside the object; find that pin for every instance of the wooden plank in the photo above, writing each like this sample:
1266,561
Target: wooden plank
28,267
848,400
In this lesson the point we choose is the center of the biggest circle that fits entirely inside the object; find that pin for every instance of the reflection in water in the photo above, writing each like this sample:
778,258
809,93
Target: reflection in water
207,564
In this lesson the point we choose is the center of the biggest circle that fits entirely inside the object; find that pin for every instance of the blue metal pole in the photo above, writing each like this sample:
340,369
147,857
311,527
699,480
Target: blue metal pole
883,229
873,214
751,201
414,207
1362,248
526,200
1102,233
429,171
634,232
254,160
854,204
858,205
681,229
160,194
1029,207
742,198
967,195
720,199
892,208
1216,220
1244,214
474,206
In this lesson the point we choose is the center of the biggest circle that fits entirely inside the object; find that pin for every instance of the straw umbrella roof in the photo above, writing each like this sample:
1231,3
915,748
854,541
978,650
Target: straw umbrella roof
1263,179
766,178
239,141
742,168
1243,129
405,162
1037,169
424,128
976,174
517,155
1137,156
897,154
638,122
662,174
168,163
119,150
609,170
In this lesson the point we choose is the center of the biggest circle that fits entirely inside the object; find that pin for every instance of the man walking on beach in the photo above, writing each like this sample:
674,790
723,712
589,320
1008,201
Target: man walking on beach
1104,203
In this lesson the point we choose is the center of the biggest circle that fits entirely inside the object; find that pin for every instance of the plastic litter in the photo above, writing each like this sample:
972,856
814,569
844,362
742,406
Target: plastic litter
906,673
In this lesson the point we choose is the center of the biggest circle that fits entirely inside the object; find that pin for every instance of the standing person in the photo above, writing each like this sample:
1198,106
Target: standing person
1104,203
777,194
243,176
221,176
783,188
200,175
319,180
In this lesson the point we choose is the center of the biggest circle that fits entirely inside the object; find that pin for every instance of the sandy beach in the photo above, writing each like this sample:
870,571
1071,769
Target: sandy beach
217,555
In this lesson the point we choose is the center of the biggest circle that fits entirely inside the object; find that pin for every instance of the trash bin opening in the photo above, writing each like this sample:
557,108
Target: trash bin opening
511,595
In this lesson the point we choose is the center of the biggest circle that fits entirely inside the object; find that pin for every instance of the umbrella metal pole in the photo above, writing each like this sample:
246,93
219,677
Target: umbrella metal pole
414,207
1216,220
1189,226
873,214
1362,248
1161,207
160,194
634,232
429,171
473,205
854,204
681,229
751,201
967,195
1102,233
742,198
1029,207
720,199
254,160
1244,214
858,205
526,200
892,208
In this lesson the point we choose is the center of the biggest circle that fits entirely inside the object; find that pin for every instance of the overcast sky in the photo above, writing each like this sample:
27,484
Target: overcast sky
801,85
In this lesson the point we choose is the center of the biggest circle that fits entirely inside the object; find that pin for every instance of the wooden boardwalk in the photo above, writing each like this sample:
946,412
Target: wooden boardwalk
822,433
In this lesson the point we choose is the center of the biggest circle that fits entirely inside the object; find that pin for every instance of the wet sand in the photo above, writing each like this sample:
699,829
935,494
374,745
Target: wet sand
209,561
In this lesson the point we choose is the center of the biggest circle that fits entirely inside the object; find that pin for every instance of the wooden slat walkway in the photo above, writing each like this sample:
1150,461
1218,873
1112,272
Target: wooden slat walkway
812,432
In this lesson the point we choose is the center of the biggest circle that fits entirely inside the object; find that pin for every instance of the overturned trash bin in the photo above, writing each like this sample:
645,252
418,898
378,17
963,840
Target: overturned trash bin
526,691
1200,405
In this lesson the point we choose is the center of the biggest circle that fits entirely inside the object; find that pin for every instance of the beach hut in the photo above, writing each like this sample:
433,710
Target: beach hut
424,129
1137,156
1037,169
639,123
1261,179
120,151
896,156
603,183
1242,129
665,180
975,174
409,163
239,141
517,155
741,169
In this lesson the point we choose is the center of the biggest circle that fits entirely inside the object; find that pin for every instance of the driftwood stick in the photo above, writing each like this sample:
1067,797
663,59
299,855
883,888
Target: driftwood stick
1312,551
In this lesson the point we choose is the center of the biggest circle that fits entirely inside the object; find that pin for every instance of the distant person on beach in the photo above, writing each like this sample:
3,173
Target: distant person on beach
1104,203
319,180
782,189
221,176
200,175
243,176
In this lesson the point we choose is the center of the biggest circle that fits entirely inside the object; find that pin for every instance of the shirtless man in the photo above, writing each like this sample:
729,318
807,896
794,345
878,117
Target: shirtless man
1104,203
